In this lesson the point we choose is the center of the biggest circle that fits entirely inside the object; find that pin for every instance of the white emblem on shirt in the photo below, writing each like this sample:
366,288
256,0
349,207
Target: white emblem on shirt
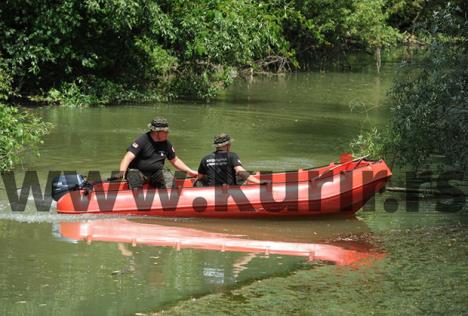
216,162
135,145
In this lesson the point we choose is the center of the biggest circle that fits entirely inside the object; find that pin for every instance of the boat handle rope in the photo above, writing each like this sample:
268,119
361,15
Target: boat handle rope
331,168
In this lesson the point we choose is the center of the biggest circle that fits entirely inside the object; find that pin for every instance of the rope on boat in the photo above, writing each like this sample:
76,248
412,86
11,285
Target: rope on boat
426,191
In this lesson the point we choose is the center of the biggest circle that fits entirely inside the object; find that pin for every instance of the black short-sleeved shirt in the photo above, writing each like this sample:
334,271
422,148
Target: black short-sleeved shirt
219,168
150,155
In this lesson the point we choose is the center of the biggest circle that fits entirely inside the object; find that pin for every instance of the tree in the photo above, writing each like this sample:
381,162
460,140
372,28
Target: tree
429,101
20,133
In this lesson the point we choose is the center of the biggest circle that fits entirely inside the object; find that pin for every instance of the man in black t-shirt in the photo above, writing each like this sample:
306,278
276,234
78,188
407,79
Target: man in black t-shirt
149,152
222,166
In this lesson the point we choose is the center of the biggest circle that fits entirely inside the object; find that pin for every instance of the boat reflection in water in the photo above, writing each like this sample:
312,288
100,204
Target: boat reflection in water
264,238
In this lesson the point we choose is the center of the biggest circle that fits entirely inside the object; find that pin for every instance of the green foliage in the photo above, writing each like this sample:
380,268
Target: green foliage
203,83
367,24
368,143
430,101
413,15
61,49
83,52
229,32
50,44
68,51
160,62
20,133
5,82
214,36
96,92
316,27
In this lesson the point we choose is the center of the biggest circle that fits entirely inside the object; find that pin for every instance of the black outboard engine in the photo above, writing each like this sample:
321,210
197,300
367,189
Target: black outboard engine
65,183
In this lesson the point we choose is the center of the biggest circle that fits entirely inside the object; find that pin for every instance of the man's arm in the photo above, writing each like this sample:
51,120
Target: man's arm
181,166
245,175
126,160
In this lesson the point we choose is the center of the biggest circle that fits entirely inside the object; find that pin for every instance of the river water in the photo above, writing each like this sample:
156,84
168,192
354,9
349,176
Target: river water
414,259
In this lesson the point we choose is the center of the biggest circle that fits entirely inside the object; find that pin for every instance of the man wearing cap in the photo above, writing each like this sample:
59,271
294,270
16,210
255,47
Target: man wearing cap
221,166
148,154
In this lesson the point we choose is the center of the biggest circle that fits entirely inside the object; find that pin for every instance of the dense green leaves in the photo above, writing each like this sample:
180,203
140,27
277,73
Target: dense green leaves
316,27
5,82
136,45
214,37
20,132
78,52
429,101
170,48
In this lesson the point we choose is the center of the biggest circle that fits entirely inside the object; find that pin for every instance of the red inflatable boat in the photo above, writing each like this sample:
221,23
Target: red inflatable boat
338,188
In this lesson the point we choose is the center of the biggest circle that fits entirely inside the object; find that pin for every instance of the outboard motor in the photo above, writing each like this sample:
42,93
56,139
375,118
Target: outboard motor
65,183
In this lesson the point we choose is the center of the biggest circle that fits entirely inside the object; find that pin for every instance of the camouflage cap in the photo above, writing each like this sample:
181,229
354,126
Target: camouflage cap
222,140
159,124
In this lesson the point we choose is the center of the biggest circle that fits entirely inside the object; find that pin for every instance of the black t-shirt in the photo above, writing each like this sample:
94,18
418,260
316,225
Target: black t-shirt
219,168
150,155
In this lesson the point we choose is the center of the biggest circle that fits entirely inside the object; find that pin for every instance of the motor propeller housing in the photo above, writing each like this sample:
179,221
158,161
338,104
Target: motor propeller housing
65,183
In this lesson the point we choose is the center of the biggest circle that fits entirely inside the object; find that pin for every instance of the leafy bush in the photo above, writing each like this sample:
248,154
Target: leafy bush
77,52
429,102
96,92
214,36
5,82
71,50
316,27
20,133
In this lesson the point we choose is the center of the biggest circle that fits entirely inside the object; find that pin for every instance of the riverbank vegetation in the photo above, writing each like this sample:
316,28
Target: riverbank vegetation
20,133
429,101
100,52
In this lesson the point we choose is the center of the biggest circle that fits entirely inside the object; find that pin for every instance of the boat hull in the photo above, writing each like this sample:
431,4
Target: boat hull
340,189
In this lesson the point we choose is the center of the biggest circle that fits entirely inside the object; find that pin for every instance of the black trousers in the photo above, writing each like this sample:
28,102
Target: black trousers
157,180
136,179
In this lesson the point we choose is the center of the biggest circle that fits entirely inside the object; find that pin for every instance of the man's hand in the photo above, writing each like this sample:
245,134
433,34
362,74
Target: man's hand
181,166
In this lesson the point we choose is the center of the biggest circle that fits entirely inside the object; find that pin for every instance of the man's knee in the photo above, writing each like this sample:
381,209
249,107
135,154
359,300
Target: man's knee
135,178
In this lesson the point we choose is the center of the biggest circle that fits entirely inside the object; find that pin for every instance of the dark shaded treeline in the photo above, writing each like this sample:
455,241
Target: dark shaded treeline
86,52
